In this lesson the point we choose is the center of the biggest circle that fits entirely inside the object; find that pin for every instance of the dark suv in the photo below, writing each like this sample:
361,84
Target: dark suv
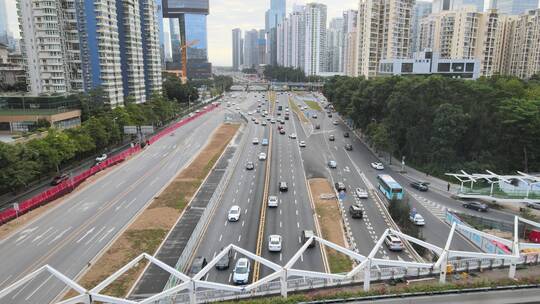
340,186
420,186
348,147
283,186
331,138
225,260
476,206
197,265
346,134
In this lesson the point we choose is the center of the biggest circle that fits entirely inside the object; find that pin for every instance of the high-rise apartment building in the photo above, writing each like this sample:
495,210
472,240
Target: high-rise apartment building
421,10
273,17
77,45
251,53
315,37
440,5
298,38
349,41
334,45
261,44
237,48
513,7
384,32
4,32
525,45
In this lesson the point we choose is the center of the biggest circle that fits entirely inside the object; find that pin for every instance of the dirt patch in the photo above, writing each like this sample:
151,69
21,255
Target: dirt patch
329,217
147,232
14,225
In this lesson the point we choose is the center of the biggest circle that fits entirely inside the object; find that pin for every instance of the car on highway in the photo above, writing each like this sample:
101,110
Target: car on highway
314,115
377,166
420,186
317,127
417,219
286,117
361,193
272,201
264,142
250,166
283,186
292,136
256,121
234,214
335,122
59,178
533,205
340,186
356,212
332,164
302,144
348,147
268,118
393,243
274,243
329,115
346,134
331,138
282,131
476,206
101,158
306,235
262,156
197,265
283,121
225,261
255,141
273,121
237,108
241,271
263,123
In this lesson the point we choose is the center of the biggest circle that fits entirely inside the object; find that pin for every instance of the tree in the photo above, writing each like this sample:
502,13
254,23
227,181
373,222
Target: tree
449,126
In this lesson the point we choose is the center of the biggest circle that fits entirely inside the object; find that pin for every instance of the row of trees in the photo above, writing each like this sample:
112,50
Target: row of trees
442,124
288,74
101,128
217,84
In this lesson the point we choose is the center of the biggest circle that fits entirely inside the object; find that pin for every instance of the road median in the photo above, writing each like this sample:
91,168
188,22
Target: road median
147,231
330,221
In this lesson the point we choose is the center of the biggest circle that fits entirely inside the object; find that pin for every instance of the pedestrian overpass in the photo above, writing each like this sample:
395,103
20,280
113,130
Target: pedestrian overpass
276,86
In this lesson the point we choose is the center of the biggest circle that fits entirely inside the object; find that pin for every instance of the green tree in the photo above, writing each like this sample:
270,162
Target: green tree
449,126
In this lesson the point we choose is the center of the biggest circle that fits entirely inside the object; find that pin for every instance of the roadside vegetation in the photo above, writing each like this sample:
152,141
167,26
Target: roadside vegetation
314,105
399,211
150,228
443,125
297,110
287,74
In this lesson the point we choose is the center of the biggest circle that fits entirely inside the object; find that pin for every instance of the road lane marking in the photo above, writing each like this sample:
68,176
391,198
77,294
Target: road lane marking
239,238
120,184
154,181
86,234
243,222
280,224
46,238
95,235
129,204
41,235
106,234
60,235
298,224
220,237
40,285
2,283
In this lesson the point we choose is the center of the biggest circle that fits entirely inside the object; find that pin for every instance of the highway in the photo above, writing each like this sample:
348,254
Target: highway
356,171
72,234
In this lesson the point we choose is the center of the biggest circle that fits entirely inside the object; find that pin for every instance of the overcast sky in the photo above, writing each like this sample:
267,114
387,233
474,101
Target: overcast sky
228,14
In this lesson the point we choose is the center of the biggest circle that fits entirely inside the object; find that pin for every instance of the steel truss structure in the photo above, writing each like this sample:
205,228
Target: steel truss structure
493,178
283,273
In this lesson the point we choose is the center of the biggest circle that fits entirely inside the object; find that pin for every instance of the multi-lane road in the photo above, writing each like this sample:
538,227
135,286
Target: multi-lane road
71,235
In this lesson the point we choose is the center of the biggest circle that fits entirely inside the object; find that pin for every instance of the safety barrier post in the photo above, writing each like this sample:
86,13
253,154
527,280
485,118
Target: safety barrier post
367,275
283,282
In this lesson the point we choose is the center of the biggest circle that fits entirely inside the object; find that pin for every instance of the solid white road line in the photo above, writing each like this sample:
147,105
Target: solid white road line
86,234
41,285
106,234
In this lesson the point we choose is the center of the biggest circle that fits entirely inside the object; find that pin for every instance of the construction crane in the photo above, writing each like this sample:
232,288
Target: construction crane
183,51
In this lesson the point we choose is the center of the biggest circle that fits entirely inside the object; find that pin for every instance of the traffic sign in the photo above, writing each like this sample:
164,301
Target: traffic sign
147,129
130,129
16,206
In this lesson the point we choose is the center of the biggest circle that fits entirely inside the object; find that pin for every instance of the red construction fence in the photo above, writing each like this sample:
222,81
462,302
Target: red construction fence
70,184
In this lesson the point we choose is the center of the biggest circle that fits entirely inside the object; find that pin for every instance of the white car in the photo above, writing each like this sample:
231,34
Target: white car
101,158
332,164
272,201
274,243
262,156
361,193
335,122
273,121
241,271
417,219
377,166
393,243
302,144
237,108
263,123
292,135
234,214
255,141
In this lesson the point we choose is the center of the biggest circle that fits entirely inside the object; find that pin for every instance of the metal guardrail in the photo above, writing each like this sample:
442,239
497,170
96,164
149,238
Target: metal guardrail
383,274
201,225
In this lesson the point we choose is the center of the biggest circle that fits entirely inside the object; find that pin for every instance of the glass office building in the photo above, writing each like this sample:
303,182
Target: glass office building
514,7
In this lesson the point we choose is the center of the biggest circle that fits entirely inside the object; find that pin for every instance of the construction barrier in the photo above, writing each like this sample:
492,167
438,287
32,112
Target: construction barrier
70,184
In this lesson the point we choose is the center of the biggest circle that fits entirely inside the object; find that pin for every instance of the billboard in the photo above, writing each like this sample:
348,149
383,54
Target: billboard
173,8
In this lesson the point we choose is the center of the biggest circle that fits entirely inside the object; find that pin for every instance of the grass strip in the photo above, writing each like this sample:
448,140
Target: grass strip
297,110
314,105
148,231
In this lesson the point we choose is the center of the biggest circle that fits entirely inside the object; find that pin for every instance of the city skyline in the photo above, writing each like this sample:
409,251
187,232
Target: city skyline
225,15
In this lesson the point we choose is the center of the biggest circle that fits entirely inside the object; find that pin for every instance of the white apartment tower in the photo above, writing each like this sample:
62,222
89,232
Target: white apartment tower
349,42
298,38
151,47
335,42
525,45
49,47
237,48
384,32
315,42
131,49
